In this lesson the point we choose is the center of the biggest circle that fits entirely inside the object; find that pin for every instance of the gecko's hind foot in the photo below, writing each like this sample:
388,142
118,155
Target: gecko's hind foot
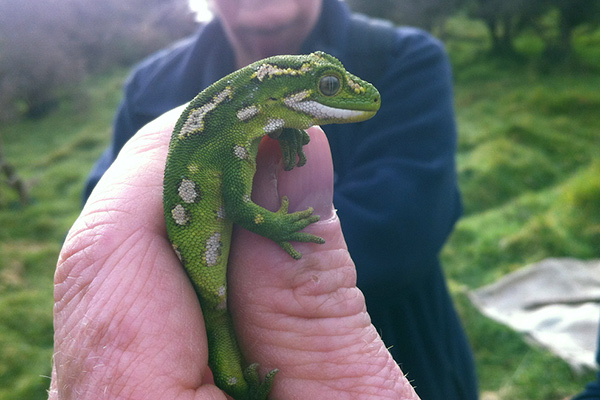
258,390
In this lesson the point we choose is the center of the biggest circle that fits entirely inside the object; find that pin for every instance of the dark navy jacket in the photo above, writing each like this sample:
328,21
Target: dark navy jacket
395,182
592,390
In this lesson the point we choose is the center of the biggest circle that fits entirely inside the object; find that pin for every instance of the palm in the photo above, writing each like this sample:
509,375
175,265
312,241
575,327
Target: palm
127,320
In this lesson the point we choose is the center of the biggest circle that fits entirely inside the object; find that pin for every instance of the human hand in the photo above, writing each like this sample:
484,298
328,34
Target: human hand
127,320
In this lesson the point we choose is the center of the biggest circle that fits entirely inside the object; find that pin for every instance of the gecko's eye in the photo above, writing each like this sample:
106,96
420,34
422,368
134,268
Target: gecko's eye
329,85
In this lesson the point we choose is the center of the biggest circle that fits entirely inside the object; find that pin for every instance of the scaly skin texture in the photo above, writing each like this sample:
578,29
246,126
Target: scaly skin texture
209,173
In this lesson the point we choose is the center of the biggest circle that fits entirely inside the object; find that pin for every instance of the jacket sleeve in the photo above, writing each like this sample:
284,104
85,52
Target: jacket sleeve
397,196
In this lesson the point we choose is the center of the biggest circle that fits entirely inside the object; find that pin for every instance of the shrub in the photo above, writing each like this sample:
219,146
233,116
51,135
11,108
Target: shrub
48,45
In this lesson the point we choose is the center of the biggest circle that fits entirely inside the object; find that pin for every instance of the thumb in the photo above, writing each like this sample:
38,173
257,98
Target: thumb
308,186
307,317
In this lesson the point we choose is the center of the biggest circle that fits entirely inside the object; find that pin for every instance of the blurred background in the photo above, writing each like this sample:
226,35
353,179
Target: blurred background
527,94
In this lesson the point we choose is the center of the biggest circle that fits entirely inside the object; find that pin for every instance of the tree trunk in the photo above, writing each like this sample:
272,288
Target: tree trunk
14,181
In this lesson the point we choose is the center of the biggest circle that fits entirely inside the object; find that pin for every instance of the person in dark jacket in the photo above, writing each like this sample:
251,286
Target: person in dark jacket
395,182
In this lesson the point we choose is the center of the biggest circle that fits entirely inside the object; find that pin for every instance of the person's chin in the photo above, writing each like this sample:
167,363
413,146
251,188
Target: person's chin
271,42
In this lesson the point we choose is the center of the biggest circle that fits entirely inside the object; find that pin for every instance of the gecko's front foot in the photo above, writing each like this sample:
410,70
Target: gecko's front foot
291,142
290,226
258,390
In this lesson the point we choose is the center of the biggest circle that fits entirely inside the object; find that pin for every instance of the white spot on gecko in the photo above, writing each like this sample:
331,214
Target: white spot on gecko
232,381
240,152
187,191
195,120
179,214
213,249
295,98
247,113
269,70
222,293
274,124
221,213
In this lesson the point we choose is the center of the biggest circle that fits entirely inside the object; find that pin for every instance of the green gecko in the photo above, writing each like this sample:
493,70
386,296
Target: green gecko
209,172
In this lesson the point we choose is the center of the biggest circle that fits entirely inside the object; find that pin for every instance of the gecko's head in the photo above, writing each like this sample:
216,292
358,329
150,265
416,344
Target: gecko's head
317,88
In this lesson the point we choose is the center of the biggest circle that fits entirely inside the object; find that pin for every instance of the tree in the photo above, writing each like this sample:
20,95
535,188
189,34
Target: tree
573,14
506,18
426,14
48,45
13,180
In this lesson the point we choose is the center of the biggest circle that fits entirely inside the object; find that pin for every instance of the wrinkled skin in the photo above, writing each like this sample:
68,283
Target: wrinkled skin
127,320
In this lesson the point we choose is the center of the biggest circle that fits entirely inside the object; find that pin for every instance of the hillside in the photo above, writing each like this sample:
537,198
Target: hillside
529,171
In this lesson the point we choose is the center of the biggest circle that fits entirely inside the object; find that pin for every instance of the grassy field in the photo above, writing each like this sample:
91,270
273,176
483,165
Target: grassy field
53,155
529,169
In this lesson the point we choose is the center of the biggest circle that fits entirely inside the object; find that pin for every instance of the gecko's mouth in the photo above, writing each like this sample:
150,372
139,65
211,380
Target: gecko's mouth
332,114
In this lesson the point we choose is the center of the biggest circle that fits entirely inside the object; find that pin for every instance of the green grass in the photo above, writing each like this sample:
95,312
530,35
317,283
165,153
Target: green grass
529,170
53,155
